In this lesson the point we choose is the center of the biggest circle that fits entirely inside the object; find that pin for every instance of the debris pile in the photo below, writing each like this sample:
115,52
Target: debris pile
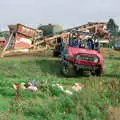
31,86
75,88
23,37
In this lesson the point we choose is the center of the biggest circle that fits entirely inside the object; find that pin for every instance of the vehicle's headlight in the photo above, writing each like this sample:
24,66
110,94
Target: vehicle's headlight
96,60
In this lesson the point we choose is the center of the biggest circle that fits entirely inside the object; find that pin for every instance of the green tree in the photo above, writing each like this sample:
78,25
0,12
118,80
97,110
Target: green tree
50,29
112,27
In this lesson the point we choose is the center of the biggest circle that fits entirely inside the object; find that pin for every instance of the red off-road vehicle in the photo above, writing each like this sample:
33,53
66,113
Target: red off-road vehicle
80,59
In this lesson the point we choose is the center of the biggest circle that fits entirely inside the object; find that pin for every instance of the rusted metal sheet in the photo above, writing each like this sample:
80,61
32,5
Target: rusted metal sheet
24,37
2,44
22,42
26,31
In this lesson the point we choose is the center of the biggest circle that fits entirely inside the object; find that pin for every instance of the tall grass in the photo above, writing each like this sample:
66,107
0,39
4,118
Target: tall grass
50,103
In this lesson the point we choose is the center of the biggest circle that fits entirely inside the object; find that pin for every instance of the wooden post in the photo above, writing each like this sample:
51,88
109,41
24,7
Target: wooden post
10,38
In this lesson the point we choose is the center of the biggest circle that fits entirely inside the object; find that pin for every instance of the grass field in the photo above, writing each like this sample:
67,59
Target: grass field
50,103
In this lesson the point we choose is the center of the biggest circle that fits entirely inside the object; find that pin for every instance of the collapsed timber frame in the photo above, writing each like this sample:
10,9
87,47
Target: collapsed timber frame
23,38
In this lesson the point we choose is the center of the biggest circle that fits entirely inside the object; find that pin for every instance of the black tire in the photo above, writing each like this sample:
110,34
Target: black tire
97,72
68,69
56,53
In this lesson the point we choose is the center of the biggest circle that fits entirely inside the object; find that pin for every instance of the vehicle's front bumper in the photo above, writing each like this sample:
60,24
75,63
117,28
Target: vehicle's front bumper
86,68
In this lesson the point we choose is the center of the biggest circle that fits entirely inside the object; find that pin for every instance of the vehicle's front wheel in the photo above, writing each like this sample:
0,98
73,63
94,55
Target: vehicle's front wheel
68,69
56,51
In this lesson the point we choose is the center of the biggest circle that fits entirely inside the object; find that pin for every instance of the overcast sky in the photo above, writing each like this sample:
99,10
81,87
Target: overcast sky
68,13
